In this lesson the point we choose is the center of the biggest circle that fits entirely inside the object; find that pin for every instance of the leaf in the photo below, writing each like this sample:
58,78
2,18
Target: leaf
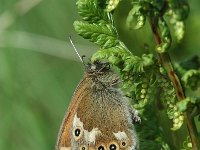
111,5
136,19
148,59
130,62
178,26
187,144
180,8
101,34
168,97
191,79
91,12
113,54
165,36
183,104
137,64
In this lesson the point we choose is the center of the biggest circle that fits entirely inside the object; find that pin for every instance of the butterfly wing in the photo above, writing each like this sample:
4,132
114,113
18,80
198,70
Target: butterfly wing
63,141
98,117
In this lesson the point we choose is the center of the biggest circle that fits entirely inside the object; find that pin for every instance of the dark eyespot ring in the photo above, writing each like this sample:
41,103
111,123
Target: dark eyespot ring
123,143
83,147
113,147
77,132
101,148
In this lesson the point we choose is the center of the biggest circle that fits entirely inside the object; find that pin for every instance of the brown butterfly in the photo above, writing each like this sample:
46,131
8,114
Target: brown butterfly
99,116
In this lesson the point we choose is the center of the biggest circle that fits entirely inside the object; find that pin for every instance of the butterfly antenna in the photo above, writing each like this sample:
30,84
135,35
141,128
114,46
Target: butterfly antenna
81,58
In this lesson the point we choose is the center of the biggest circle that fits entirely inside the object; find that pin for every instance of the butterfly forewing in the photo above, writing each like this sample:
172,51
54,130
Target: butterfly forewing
63,140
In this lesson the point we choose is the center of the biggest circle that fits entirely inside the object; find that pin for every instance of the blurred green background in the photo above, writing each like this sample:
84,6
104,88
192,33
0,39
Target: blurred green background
39,69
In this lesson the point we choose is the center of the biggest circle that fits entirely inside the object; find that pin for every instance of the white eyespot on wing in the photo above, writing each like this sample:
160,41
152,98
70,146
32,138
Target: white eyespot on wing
78,130
77,122
91,136
65,148
120,135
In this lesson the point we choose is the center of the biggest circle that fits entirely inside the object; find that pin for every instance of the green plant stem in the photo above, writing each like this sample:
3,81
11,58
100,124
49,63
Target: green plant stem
165,60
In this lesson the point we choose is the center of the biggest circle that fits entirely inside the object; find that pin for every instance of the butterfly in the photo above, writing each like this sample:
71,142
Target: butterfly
99,116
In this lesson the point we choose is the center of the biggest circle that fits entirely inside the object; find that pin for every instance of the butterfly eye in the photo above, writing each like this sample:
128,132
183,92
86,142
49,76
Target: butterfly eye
77,133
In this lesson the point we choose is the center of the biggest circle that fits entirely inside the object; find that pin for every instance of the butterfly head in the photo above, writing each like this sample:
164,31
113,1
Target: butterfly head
102,73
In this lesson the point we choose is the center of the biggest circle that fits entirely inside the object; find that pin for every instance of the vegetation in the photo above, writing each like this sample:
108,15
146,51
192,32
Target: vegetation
150,80
39,69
